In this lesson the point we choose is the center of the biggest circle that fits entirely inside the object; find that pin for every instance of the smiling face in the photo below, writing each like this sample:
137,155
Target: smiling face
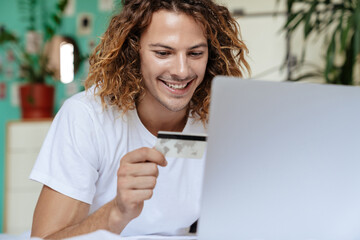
173,53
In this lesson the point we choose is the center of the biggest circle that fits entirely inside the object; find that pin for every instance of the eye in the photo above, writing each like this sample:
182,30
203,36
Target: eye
196,54
162,53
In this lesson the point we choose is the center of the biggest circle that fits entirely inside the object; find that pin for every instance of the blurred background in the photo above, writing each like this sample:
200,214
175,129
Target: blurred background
44,48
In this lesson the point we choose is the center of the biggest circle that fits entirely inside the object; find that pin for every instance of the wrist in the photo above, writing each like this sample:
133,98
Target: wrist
117,221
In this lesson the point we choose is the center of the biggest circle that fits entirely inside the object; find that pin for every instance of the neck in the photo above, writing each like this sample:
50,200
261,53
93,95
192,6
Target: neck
159,118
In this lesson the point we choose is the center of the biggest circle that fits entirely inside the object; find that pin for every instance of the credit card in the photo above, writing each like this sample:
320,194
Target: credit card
181,145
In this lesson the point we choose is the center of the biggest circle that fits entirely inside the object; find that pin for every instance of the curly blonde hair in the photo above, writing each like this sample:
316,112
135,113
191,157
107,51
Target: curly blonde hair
115,64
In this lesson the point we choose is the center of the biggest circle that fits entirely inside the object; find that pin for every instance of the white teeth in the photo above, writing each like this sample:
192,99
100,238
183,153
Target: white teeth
176,86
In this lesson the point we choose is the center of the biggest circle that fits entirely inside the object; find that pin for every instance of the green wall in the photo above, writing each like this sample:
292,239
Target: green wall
13,19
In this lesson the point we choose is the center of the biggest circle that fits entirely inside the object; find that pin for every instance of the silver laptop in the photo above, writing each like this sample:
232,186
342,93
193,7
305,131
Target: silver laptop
283,162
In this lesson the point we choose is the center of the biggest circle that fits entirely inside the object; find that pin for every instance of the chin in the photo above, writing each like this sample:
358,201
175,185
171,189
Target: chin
176,107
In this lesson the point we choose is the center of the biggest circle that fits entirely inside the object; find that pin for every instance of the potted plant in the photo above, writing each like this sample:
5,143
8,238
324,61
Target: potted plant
36,97
339,23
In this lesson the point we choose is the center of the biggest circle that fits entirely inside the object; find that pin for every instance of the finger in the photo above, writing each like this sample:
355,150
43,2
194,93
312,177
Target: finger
138,183
145,169
138,169
145,155
164,162
137,196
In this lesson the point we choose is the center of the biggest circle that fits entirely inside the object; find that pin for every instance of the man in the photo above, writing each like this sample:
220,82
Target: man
151,71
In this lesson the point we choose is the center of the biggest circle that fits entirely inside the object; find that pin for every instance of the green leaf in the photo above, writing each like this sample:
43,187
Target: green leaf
357,30
62,5
294,19
49,31
347,68
345,33
7,36
330,56
325,25
296,23
307,20
56,19
306,76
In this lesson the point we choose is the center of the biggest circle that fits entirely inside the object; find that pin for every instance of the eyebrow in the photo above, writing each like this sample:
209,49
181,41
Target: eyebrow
170,48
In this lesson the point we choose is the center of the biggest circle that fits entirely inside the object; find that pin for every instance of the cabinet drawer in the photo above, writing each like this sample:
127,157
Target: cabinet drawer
24,140
19,210
23,136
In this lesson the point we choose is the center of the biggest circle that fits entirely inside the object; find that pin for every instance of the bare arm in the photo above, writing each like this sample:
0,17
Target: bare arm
58,216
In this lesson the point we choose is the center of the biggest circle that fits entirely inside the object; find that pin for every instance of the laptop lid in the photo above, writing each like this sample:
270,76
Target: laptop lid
283,162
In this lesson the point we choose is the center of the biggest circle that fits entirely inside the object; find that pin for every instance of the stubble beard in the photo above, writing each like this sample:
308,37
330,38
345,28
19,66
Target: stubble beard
171,108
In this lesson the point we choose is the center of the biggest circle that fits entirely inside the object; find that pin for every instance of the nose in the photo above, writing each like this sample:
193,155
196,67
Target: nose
181,68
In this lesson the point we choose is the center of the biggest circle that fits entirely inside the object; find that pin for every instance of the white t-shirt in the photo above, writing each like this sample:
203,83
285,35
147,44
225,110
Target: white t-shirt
81,155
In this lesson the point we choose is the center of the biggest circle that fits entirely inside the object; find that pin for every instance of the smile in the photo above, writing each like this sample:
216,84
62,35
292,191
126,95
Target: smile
176,86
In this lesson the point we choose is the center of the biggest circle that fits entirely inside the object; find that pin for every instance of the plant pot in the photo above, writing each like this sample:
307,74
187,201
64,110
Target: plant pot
36,101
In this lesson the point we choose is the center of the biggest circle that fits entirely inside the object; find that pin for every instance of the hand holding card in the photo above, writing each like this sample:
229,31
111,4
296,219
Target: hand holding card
180,145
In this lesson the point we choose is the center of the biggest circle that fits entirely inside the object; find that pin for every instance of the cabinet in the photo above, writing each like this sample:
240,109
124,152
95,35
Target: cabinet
23,143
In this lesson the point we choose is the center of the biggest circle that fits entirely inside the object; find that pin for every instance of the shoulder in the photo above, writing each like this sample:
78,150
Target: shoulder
85,99
86,103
